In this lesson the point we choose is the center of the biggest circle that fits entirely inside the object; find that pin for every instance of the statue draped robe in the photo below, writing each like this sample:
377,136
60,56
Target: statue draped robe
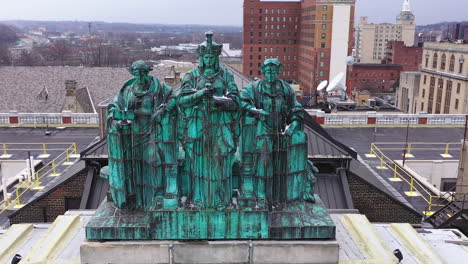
142,153
209,132
274,166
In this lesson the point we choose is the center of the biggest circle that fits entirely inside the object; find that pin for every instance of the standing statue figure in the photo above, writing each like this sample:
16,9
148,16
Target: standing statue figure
208,105
275,168
142,154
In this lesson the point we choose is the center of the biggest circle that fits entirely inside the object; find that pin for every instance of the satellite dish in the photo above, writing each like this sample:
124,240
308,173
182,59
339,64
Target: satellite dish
337,83
349,60
322,85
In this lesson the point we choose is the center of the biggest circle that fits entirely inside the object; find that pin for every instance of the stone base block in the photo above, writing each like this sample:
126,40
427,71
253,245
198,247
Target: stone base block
228,251
293,221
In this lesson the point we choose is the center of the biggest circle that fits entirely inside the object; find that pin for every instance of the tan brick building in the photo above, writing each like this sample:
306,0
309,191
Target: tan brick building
444,79
372,39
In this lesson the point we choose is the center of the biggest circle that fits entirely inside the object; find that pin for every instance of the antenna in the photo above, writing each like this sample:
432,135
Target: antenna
322,85
89,28
336,83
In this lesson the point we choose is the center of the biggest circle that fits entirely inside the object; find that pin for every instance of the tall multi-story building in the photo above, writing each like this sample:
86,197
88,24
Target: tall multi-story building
372,39
312,38
444,79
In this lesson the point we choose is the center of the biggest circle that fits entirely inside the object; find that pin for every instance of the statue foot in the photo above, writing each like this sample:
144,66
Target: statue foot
310,198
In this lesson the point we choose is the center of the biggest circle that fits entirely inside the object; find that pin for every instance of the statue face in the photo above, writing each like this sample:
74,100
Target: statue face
140,75
209,60
271,73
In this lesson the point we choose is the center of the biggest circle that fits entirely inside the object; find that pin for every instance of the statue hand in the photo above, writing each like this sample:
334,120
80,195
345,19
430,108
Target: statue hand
208,92
291,129
158,115
259,112
124,115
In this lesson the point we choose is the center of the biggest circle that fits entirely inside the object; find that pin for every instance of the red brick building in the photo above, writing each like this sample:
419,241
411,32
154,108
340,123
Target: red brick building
299,34
410,58
375,78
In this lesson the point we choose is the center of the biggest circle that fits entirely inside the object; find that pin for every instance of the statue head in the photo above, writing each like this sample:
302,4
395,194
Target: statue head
271,68
140,69
208,52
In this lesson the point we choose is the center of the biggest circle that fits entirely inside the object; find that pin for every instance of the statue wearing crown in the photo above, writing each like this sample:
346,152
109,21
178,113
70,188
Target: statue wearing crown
208,104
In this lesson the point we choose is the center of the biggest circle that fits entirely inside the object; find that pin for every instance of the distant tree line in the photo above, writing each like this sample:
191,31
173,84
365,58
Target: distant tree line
105,49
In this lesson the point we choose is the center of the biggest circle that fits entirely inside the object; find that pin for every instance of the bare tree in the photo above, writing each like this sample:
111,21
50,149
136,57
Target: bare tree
7,38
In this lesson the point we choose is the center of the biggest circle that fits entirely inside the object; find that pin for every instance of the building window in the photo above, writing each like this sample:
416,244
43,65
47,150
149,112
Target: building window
266,11
324,8
251,34
324,17
452,63
427,61
322,54
456,104
425,78
442,62
259,49
252,11
260,18
458,88
424,93
251,49
435,61
260,10
462,60
324,35
448,97
322,64
422,106
259,57
324,26
322,45
321,73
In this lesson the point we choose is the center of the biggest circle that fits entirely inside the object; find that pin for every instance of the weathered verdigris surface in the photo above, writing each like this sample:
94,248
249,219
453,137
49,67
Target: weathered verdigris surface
210,162
138,145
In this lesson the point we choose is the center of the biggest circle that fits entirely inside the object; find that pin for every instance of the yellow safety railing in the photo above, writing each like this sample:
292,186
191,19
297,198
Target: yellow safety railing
42,147
415,187
50,169
411,146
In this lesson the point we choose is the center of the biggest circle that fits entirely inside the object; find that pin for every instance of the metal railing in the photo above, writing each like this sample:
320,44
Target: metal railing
445,147
415,187
44,148
34,183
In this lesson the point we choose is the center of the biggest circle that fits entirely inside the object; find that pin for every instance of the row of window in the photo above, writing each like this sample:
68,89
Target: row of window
284,11
278,27
443,62
272,11
278,19
285,49
448,96
274,42
285,58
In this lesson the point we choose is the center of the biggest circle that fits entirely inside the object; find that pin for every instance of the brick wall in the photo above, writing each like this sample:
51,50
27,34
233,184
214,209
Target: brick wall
377,206
52,204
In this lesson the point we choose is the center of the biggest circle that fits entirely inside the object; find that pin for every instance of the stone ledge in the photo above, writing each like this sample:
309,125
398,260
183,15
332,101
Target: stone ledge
208,252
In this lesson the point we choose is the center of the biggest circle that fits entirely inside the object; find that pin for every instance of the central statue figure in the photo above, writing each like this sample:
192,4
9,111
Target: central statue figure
208,104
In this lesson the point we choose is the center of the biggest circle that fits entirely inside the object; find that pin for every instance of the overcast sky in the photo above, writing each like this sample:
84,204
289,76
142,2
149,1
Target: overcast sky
220,12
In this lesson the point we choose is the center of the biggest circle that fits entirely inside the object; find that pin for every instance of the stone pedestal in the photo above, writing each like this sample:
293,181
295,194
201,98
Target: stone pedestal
228,251
292,221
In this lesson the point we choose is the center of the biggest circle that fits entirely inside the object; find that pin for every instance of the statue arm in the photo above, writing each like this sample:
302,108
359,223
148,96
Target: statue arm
189,96
247,102
230,101
295,113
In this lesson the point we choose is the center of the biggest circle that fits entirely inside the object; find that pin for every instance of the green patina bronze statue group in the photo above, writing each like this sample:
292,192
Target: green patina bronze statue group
208,146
